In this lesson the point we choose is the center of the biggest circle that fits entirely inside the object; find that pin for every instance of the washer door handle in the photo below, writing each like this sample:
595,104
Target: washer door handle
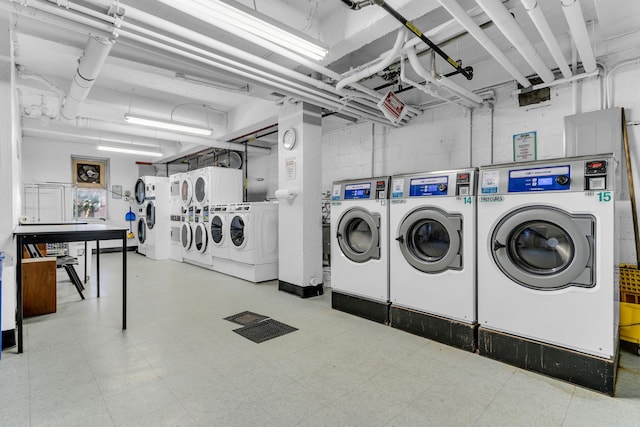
338,235
400,239
497,245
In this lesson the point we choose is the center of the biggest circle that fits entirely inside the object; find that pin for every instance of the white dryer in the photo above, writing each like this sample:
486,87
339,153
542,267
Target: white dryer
157,214
186,190
202,238
139,197
253,231
220,238
212,185
175,246
547,295
433,256
360,248
186,233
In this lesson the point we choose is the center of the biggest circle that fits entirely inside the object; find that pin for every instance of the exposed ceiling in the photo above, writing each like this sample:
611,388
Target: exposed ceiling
168,64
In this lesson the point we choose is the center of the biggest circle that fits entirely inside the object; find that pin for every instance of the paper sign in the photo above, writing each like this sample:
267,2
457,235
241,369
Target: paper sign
525,147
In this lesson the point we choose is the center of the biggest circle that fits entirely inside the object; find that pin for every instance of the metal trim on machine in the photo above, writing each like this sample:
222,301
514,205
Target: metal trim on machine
346,228
411,224
569,239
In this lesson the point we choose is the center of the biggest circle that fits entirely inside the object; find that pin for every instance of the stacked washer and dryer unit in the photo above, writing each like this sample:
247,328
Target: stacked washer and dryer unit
547,295
175,247
152,196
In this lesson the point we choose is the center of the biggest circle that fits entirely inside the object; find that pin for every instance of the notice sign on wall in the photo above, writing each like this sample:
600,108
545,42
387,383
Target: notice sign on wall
290,168
525,147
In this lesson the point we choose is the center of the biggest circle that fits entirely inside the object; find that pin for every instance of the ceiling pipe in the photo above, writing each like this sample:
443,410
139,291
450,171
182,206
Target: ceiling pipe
89,66
426,88
442,82
380,65
573,13
458,13
535,13
512,31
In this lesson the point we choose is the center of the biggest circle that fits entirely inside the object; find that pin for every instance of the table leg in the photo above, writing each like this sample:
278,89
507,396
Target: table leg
84,279
98,265
19,250
124,282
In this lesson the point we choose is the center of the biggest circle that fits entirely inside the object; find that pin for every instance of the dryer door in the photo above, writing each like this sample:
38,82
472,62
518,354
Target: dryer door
151,215
201,238
186,191
140,193
430,240
200,189
237,231
358,235
217,233
545,248
186,236
142,230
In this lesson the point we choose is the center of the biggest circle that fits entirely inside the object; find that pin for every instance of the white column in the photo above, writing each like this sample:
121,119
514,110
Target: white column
10,169
300,222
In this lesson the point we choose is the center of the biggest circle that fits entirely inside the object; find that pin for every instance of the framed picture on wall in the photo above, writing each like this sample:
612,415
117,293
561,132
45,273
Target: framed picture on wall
89,173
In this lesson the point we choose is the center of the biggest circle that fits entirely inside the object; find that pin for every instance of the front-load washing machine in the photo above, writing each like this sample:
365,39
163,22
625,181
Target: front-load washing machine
547,295
186,233
175,246
360,248
157,208
201,238
219,233
253,232
433,256
141,228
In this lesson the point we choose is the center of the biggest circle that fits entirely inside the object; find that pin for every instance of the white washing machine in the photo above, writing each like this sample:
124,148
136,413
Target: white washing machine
433,256
157,214
202,237
547,295
175,246
360,247
253,231
213,185
186,233
220,238
139,197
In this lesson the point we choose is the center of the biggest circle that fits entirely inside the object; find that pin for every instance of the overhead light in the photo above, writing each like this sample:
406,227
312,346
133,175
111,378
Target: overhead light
206,82
129,151
221,14
168,125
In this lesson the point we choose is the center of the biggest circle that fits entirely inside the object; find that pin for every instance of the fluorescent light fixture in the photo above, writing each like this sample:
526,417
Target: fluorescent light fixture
206,82
221,14
129,151
168,125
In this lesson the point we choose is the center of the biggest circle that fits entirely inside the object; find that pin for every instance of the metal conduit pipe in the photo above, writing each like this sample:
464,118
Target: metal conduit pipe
573,13
457,90
512,31
380,65
535,13
94,56
458,13
45,6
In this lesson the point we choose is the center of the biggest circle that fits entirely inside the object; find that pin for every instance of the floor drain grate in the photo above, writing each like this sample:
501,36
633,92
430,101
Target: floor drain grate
246,318
265,330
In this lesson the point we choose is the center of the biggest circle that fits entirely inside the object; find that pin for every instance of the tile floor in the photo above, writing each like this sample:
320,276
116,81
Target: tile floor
180,364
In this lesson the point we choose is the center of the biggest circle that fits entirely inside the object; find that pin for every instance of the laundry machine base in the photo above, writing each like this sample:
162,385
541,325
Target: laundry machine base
198,263
376,311
175,252
301,291
142,250
436,328
255,272
582,369
223,265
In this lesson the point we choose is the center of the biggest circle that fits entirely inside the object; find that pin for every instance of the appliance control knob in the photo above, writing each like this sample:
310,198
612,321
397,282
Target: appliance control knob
442,187
562,179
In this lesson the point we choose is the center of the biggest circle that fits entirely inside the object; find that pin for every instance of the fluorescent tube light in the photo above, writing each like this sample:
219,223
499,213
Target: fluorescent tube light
168,125
221,14
129,151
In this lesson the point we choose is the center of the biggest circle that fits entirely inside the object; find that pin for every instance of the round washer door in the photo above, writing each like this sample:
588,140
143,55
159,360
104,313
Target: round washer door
151,215
237,231
186,236
140,193
200,189
186,191
142,230
545,248
358,235
430,240
217,233
201,238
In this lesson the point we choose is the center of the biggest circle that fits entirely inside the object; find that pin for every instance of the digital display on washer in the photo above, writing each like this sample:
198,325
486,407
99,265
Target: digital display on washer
432,186
554,178
357,191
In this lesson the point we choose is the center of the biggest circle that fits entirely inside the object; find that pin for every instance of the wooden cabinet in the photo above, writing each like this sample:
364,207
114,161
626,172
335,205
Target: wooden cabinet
38,286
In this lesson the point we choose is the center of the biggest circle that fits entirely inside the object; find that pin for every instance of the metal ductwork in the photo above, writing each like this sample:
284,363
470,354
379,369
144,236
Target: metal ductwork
89,66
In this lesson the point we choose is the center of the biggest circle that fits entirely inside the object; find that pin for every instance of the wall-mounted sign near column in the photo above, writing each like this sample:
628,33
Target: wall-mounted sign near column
525,147
290,168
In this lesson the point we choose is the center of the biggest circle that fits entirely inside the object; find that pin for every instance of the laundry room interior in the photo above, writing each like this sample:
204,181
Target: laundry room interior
320,212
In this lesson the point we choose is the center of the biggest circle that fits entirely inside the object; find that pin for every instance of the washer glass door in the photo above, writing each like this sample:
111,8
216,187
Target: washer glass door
200,189
186,191
545,248
142,231
236,231
201,238
151,215
430,240
186,235
140,192
216,230
358,235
